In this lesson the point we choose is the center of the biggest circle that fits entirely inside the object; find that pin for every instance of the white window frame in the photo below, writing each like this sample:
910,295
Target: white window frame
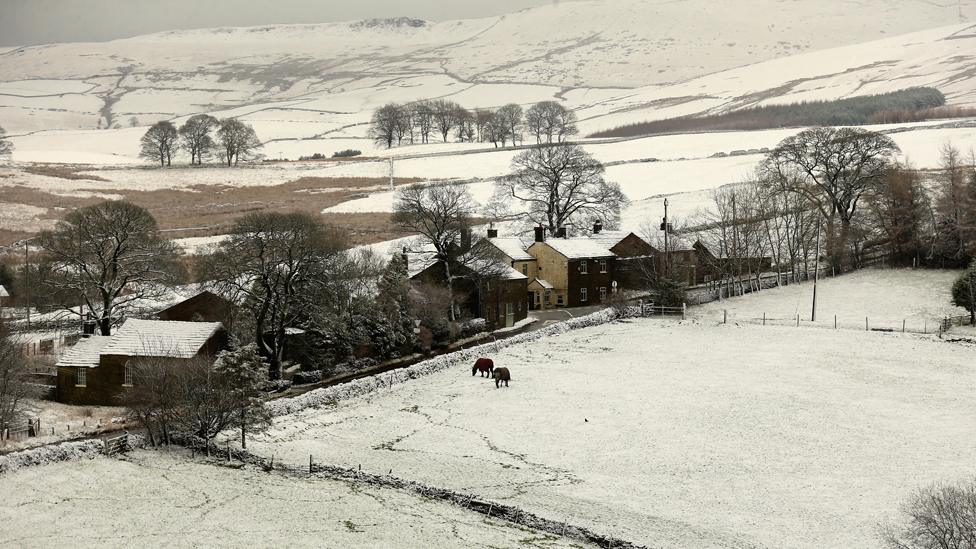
81,377
603,265
127,374
583,267
583,295
603,293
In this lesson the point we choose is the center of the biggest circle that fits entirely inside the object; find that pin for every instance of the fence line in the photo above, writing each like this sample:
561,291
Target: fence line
937,326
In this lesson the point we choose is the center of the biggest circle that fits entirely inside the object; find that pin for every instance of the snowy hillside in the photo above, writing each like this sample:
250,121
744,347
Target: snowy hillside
317,79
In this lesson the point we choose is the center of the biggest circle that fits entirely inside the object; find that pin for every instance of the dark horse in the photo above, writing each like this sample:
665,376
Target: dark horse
483,365
501,375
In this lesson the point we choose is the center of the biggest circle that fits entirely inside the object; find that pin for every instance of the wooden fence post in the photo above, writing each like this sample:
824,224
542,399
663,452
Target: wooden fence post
310,464
725,316
684,310
903,325
866,324
835,322
764,319
797,321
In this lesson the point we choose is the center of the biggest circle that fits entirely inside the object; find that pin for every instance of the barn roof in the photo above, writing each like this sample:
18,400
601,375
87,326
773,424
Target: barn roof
84,354
579,248
3,291
512,247
160,338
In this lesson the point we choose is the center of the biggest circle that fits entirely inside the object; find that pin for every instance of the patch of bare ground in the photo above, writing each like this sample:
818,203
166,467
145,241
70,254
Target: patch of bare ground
62,171
206,210
365,228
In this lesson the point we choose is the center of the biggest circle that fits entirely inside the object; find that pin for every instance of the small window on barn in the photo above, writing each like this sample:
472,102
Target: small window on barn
81,379
127,380
582,294
603,265
583,268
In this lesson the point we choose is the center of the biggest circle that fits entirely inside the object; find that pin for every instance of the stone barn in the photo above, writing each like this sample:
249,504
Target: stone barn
98,370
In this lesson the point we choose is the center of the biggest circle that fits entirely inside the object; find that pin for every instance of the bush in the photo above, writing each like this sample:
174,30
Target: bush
939,516
669,293
306,377
316,156
348,153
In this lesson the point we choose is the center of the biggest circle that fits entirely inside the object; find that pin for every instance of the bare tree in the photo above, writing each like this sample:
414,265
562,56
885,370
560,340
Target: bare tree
196,138
153,400
270,263
386,122
109,256
560,184
550,122
14,379
511,118
423,115
237,140
939,516
498,131
445,116
466,130
160,142
833,168
6,147
482,122
440,214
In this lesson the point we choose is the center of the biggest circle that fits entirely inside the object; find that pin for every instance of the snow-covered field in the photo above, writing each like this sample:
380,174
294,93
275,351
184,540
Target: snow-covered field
676,434
164,500
886,297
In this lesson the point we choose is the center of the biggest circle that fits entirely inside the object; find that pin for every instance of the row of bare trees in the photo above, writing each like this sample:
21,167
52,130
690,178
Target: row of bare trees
842,192
417,122
6,147
202,136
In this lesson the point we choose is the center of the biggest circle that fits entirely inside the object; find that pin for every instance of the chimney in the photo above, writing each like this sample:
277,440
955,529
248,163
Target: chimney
540,234
597,226
492,233
561,232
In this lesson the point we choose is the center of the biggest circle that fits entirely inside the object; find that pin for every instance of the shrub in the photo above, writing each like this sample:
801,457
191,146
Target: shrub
316,156
348,153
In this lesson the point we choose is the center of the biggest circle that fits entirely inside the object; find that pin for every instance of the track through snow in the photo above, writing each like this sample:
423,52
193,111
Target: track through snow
675,434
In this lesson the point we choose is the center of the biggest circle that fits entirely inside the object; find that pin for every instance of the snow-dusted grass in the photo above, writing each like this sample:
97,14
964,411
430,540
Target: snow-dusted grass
886,297
160,499
675,434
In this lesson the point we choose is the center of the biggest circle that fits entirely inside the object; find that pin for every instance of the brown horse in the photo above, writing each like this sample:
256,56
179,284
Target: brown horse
501,375
484,365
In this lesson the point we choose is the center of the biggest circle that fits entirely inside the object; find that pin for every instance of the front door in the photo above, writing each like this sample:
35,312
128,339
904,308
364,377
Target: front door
509,315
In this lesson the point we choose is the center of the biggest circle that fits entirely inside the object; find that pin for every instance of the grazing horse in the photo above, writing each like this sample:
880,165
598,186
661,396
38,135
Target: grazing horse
484,365
501,375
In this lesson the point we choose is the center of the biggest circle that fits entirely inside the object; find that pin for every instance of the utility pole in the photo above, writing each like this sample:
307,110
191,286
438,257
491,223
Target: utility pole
28,280
816,277
667,249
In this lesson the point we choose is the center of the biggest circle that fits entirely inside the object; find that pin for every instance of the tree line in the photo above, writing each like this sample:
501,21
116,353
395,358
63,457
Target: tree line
546,122
201,137
900,106
841,194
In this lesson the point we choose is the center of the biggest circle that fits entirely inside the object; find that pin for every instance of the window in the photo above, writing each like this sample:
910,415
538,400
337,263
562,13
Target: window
583,268
549,297
603,265
582,294
603,293
559,300
538,297
525,269
127,381
82,379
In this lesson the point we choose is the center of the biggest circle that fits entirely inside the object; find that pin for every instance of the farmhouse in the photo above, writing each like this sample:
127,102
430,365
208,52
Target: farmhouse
98,369
493,291
572,272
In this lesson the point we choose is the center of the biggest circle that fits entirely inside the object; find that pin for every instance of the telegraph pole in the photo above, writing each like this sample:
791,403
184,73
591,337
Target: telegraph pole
28,280
667,249
816,277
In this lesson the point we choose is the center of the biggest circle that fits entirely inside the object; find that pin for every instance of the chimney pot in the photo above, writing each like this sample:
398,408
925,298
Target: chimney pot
597,227
492,233
540,234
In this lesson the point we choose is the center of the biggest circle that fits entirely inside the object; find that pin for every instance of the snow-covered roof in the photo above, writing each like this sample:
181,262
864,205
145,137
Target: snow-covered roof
512,247
84,354
609,239
579,248
3,291
544,283
160,338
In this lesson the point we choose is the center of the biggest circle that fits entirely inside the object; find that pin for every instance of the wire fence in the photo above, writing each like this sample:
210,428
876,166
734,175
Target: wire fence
916,325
